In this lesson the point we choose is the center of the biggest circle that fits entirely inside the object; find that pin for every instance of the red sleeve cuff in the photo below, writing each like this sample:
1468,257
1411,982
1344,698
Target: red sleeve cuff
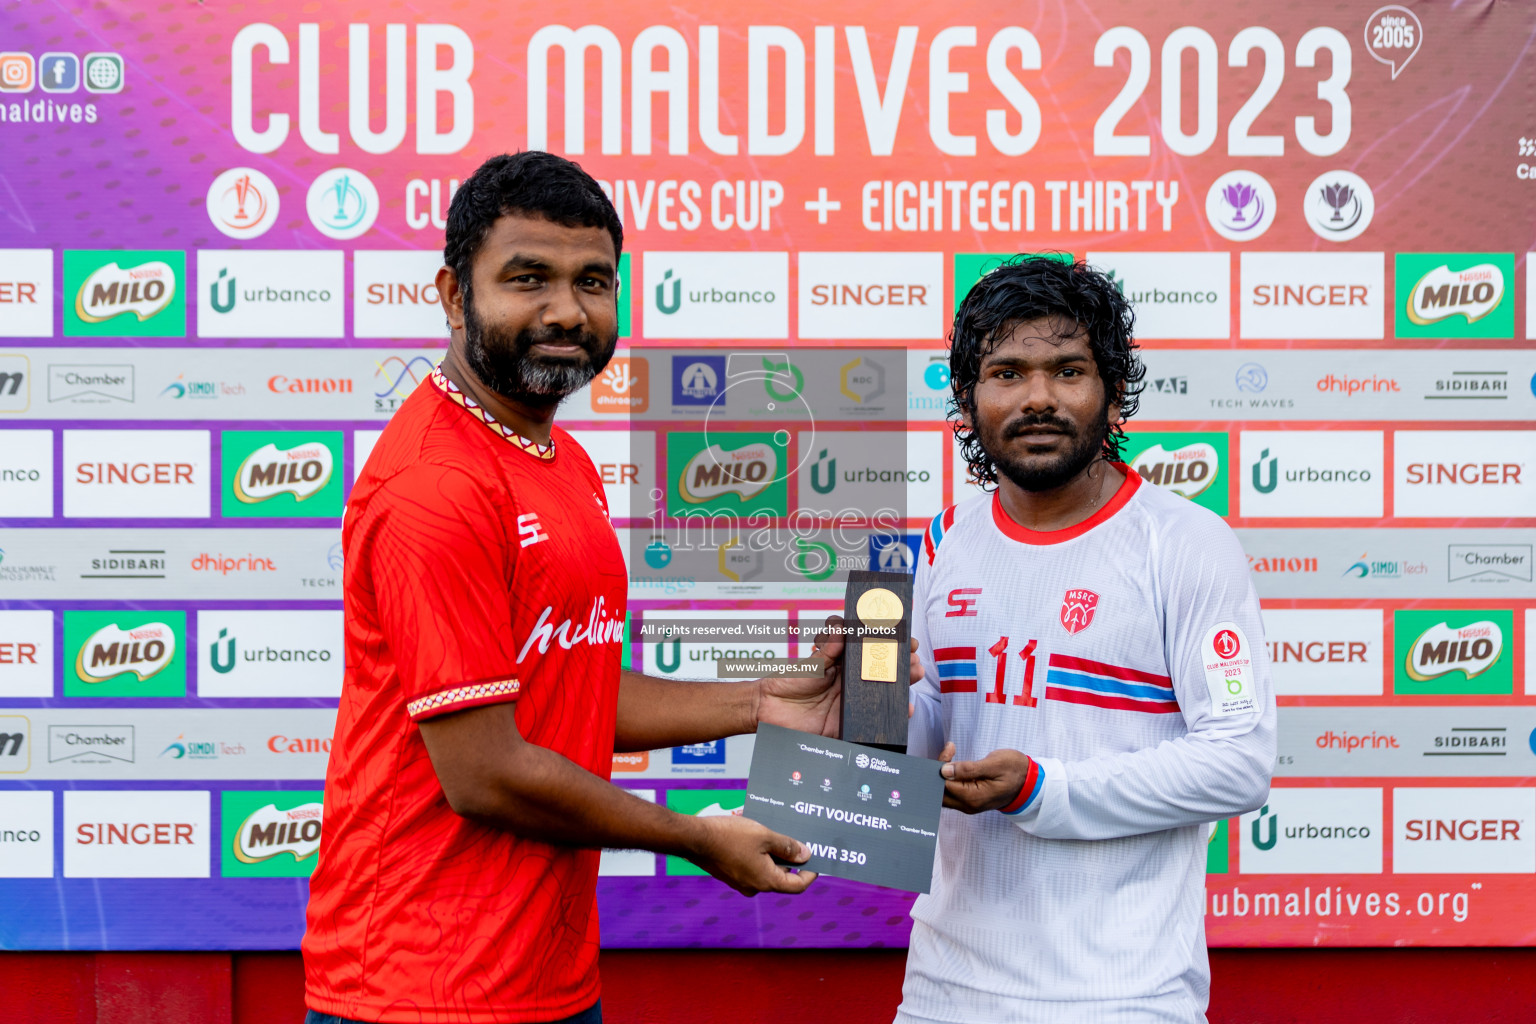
462,696
1033,777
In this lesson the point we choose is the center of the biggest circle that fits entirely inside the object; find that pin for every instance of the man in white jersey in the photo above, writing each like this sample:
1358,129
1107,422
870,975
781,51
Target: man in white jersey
1094,673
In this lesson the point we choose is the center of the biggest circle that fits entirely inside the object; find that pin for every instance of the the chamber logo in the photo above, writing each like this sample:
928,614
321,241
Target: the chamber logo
302,471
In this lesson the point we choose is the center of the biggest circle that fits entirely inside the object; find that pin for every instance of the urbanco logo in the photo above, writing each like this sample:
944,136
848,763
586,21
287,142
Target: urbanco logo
1305,831
1175,294
1334,474
278,653
716,294
125,654
266,293
121,293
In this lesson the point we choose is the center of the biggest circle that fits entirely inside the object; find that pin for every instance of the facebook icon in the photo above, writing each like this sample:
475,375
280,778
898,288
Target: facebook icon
59,72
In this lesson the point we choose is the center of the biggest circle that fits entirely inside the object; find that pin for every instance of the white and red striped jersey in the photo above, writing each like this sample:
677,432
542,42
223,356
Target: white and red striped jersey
1125,656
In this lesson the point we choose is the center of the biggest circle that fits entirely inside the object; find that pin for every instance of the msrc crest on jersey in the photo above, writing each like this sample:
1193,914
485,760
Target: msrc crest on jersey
1077,609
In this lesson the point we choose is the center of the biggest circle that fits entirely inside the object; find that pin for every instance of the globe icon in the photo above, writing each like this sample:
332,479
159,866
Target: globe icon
103,73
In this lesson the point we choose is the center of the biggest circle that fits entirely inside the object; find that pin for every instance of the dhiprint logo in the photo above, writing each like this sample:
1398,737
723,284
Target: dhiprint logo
1077,609
243,203
272,834
1175,294
716,294
1339,206
1306,474
1455,295
1240,206
264,293
342,204
281,473
126,293
1305,831
1453,652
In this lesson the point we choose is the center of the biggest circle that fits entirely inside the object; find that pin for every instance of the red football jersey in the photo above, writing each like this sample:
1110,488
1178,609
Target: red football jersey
479,568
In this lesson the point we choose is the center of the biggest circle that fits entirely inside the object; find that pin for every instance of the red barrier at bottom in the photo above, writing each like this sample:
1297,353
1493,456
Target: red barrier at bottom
1251,986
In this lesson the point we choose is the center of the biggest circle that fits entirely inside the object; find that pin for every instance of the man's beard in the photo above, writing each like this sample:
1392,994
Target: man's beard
505,363
1083,448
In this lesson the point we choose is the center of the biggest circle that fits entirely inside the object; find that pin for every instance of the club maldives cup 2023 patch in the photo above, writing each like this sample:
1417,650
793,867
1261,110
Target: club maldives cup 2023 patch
1228,664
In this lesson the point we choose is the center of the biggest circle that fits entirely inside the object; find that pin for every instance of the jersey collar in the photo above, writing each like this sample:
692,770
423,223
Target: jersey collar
1024,535
451,391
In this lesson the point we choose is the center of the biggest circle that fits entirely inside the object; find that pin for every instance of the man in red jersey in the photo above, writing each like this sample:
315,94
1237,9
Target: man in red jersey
467,795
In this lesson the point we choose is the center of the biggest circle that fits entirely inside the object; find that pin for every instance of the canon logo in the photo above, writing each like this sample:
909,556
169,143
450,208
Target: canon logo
1464,472
1462,829
309,385
296,745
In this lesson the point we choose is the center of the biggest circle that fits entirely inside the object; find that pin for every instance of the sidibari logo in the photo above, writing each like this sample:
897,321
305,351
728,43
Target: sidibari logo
110,291
714,472
1186,471
1442,293
1440,650
110,651
302,471
269,832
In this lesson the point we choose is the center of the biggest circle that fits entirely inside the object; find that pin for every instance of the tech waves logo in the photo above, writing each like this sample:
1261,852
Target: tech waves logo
302,471
1441,649
143,289
715,471
145,651
270,832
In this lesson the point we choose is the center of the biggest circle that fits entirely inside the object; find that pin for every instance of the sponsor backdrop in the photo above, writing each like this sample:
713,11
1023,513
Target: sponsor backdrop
218,236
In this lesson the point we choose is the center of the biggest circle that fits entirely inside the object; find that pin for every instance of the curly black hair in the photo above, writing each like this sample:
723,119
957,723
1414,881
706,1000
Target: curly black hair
535,183
1028,287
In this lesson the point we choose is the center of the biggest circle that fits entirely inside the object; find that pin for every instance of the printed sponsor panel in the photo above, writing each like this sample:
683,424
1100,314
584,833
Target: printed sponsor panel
871,295
26,834
1453,651
26,474
1314,831
1325,651
270,653
125,293
1464,473
1175,294
394,294
1455,295
299,563
281,473
715,294
1354,563
626,464
1381,741
125,653
249,293
270,833
26,653
26,293
1463,830
137,474
1311,474
179,743
157,833
1312,295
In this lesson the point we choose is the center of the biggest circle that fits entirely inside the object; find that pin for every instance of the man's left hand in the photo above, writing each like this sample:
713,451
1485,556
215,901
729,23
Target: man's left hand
985,785
814,703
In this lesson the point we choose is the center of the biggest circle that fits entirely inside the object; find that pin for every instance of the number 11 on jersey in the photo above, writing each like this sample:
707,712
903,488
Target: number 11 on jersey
999,652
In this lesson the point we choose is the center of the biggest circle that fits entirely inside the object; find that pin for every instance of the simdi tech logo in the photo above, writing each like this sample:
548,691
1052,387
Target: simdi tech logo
125,293
281,473
125,653
1192,465
270,834
1453,651
1455,295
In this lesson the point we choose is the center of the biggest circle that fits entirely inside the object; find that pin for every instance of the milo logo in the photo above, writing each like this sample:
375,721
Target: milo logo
1441,649
111,651
1186,471
712,472
302,471
111,290
269,832
1443,293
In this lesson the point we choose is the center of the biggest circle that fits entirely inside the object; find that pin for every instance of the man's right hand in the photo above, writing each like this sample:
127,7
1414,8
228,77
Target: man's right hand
740,853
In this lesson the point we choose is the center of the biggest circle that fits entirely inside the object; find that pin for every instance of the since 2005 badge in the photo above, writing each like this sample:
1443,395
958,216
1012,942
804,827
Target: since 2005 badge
1228,662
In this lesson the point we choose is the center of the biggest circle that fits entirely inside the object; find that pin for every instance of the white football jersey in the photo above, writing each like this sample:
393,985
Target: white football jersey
1125,655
